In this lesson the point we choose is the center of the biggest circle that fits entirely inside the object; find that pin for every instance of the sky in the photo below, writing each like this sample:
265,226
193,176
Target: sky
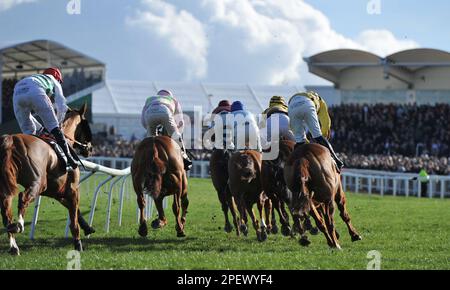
225,41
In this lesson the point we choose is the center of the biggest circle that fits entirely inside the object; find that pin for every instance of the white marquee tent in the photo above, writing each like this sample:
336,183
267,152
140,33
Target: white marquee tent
119,103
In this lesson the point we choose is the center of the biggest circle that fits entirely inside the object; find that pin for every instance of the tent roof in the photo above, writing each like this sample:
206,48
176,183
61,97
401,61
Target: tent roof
128,97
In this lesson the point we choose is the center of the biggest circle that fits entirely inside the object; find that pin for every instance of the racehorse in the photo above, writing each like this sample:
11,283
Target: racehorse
157,169
218,164
276,189
244,170
31,162
315,185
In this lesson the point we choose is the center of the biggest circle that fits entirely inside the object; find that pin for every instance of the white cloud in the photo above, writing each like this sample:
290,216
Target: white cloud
253,40
183,32
7,4
383,42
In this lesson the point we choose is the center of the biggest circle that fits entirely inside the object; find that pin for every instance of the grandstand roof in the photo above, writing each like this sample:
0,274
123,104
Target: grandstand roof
401,65
128,97
37,55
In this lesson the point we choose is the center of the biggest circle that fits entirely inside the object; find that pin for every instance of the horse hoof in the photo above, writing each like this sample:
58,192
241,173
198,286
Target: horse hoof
244,230
143,231
89,231
314,231
274,229
157,224
262,236
228,228
286,231
338,247
304,241
14,251
13,228
78,246
181,235
356,238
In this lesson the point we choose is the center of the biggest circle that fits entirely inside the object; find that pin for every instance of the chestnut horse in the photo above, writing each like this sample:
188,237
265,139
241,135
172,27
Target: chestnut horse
276,189
157,169
244,170
315,184
218,164
29,161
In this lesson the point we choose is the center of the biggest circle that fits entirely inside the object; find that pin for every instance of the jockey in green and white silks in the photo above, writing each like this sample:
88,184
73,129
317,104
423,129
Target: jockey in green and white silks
163,109
43,94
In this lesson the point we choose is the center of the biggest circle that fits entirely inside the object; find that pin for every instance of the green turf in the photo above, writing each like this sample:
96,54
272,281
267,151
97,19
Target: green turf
409,233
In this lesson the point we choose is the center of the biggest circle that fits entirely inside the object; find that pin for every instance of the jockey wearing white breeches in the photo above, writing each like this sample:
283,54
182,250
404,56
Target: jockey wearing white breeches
163,109
43,94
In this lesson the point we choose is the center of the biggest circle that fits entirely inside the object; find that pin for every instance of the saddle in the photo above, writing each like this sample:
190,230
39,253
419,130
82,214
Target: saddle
50,140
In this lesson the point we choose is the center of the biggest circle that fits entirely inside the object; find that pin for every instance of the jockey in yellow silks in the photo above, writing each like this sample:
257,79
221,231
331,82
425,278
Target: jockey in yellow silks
277,109
308,111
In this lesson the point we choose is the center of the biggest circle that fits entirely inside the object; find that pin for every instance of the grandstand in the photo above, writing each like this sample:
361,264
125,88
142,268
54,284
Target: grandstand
80,72
412,76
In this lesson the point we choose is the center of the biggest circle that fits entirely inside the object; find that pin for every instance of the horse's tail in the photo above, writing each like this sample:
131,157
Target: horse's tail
147,161
157,166
302,180
8,168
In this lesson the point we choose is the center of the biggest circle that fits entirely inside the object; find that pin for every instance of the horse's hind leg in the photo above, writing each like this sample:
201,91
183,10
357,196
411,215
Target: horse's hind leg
231,206
316,213
143,230
224,203
270,217
255,222
7,216
284,217
25,198
176,205
328,214
74,202
184,207
161,220
341,204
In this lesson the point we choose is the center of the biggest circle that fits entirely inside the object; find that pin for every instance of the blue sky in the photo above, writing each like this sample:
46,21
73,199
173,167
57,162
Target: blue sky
236,41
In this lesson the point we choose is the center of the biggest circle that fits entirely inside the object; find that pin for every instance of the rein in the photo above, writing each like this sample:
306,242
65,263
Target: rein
82,145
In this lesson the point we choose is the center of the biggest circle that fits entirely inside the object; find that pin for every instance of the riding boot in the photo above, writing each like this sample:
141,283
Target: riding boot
64,146
324,142
186,160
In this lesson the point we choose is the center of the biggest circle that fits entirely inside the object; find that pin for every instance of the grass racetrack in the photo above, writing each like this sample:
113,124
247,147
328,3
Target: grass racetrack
410,233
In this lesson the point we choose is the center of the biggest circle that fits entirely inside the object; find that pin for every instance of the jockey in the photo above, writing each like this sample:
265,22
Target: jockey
305,112
277,109
222,111
42,93
163,109
246,131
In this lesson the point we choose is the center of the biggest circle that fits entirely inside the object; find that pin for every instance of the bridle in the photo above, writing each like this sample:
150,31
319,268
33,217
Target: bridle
84,146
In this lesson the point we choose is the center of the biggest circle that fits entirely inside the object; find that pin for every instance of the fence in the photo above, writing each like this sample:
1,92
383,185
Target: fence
356,180
361,181
105,175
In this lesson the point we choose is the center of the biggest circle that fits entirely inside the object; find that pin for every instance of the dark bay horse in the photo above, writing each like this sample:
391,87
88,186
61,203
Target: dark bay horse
157,169
244,170
218,164
315,184
29,161
275,188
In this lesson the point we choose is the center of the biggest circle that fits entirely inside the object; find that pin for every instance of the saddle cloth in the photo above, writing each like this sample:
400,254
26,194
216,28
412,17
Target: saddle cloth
50,140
